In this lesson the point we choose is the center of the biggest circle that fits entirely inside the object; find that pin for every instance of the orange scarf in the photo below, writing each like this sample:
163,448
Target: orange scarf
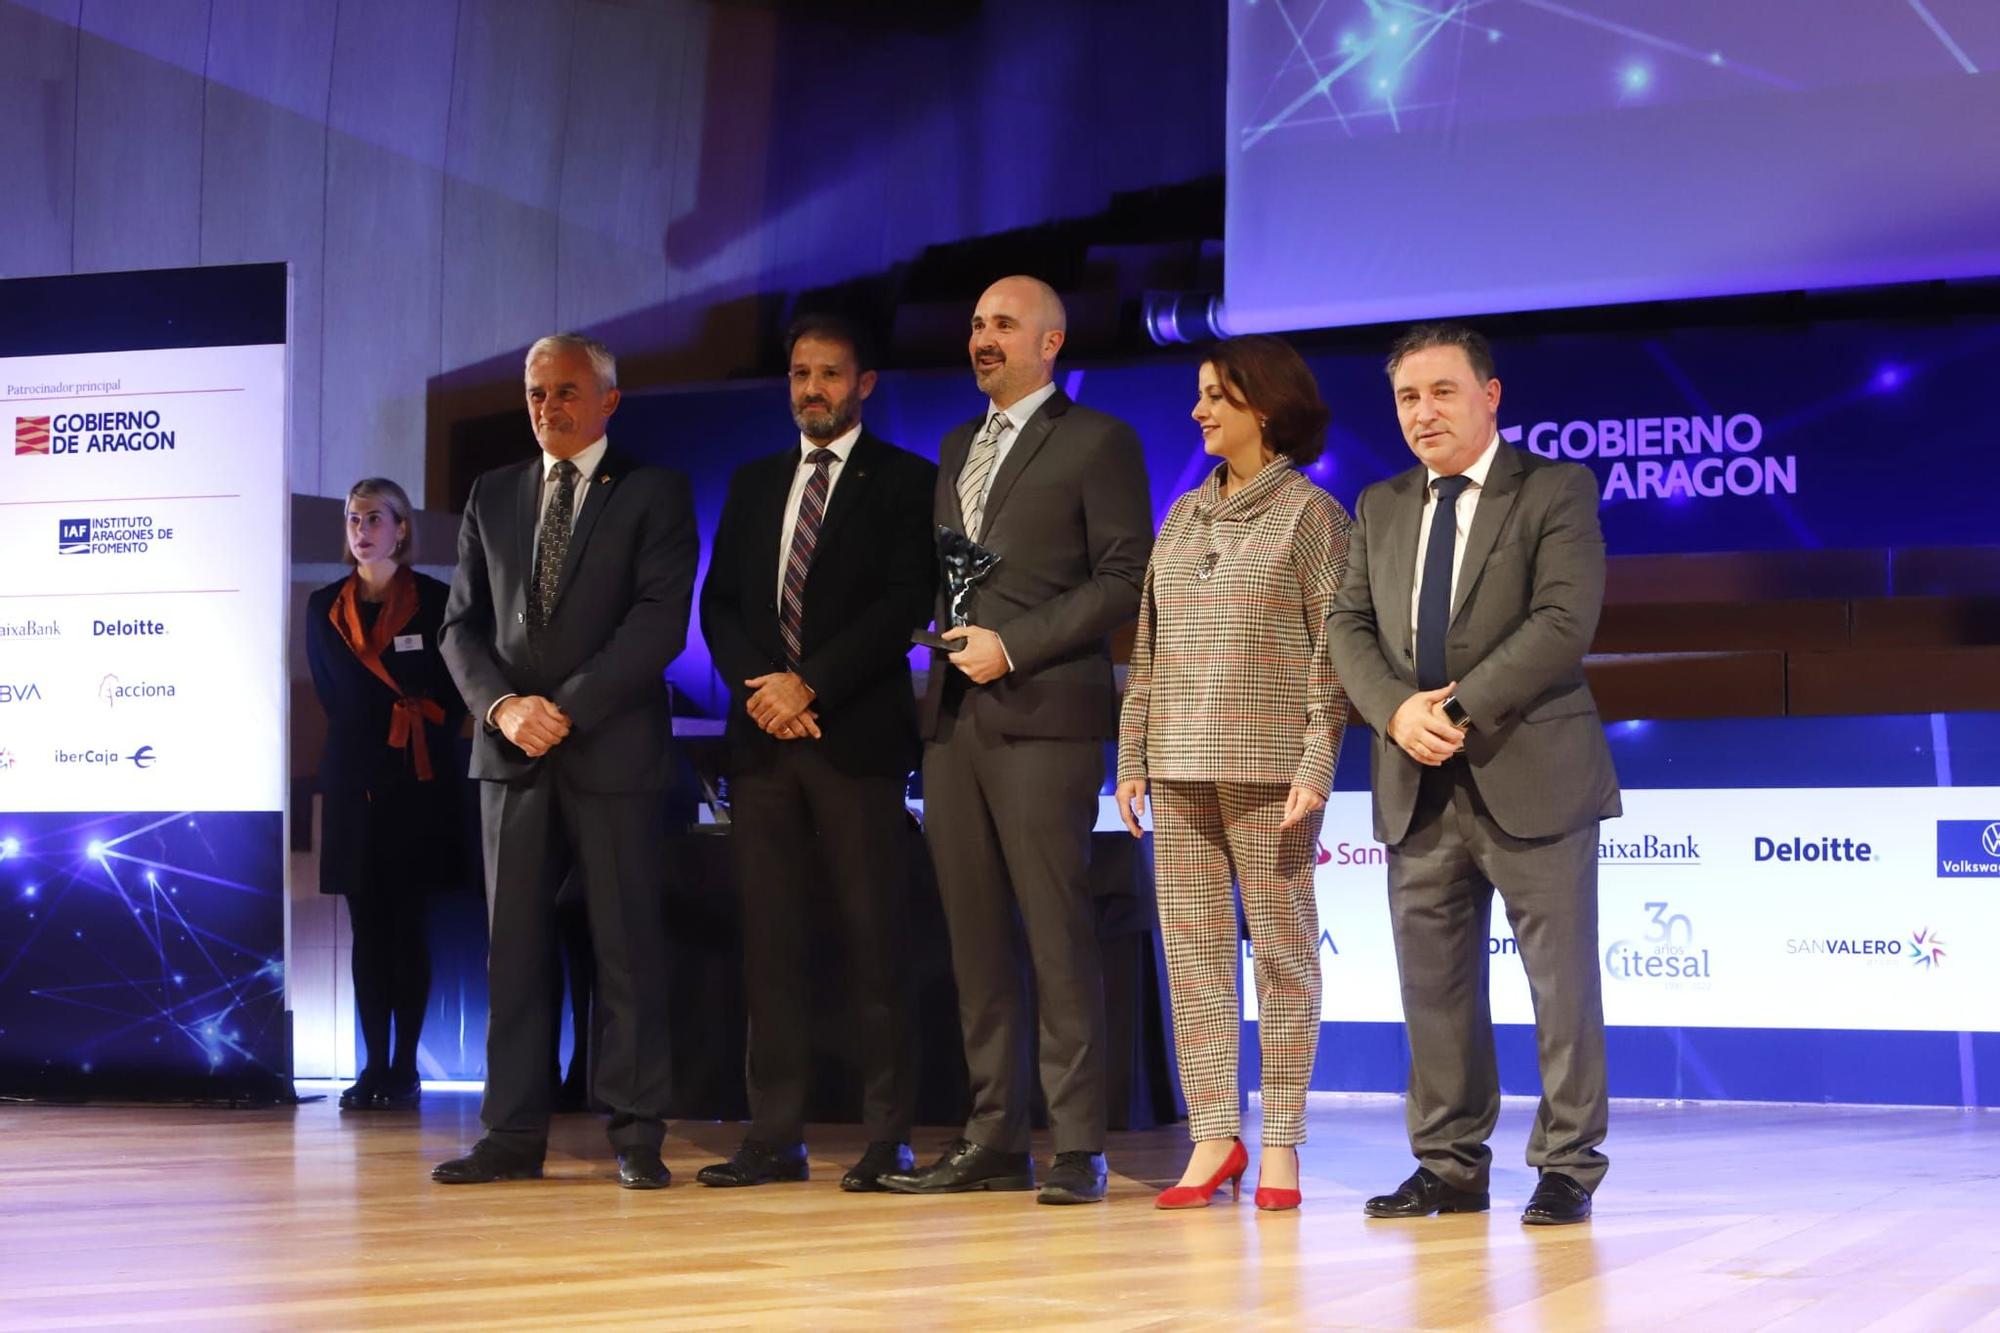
399,608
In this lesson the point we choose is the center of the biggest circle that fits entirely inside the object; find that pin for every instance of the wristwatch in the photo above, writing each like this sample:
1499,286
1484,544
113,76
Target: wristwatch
1454,713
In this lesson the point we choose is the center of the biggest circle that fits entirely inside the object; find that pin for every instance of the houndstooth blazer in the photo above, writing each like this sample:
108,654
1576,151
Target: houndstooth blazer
1230,679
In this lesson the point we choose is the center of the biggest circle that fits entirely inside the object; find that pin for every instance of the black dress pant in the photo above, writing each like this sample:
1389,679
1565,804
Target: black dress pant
812,844
535,834
575,978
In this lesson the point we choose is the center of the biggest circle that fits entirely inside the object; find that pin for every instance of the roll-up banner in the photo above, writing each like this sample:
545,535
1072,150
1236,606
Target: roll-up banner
143,570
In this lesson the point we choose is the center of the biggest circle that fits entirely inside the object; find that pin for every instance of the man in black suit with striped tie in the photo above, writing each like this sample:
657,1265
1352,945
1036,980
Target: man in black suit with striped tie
823,564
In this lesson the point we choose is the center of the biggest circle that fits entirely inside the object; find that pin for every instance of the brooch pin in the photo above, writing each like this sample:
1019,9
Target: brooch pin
1205,571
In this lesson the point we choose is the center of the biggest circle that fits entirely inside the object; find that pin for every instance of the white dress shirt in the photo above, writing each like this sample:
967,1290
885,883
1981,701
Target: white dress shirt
801,475
1468,505
1017,417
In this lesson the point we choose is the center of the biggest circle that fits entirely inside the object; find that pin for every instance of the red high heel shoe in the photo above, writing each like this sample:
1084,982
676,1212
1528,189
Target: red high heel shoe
1197,1196
1275,1200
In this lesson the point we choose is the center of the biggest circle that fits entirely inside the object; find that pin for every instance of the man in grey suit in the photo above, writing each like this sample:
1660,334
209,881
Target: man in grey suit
575,577
1473,586
1015,722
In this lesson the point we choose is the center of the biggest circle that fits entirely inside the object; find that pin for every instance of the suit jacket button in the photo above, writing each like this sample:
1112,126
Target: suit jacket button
520,617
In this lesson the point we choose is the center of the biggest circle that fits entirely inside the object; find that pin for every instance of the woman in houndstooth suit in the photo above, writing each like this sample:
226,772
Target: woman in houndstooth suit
1232,719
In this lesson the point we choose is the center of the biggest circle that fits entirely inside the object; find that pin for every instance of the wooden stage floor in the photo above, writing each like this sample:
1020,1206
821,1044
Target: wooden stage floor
1714,1217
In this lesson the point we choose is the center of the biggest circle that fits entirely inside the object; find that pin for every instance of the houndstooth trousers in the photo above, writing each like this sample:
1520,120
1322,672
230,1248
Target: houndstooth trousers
1206,835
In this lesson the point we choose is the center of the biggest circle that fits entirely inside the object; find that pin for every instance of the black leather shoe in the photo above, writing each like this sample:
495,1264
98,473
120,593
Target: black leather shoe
396,1093
1557,1201
1423,1194
756,1164
1076,1177
965,1167
484,1165
881,1159
360,1095
642,1169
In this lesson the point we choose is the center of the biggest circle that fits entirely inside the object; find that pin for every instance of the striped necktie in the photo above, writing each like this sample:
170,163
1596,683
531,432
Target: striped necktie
978,468
805,536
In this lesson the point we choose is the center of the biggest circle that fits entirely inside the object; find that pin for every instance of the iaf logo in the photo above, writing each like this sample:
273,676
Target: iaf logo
31,435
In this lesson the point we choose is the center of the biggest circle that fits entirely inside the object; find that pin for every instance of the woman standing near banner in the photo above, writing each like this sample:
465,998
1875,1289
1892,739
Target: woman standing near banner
390,778
1233,715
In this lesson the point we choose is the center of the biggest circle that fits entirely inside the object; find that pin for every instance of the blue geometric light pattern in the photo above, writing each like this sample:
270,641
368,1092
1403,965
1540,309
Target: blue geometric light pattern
1393,66
142,954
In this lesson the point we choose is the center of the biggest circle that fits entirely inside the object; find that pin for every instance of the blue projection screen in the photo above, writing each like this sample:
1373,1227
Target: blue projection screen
1393,160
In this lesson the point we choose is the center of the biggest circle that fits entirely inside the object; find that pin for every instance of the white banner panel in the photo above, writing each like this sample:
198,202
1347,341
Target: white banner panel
1840,908
142,618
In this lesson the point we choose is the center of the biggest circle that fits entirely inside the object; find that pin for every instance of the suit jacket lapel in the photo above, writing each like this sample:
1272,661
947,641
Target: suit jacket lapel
1496,500
528,514
854,481
765,520
1399,573
951,461
609,469
1028,441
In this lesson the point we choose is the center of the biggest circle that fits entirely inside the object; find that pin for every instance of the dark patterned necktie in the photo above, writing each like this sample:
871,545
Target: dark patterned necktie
1434,601
973,476
805,537
551,545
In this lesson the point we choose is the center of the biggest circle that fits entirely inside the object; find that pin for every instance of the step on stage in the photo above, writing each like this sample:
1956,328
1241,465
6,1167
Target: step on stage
1714,1217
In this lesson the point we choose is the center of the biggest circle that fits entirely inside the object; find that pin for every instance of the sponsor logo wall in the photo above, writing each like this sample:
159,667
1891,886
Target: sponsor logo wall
145,611
1843,908
142,723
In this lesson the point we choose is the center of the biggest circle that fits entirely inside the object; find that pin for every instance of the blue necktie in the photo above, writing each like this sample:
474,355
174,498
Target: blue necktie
1434,602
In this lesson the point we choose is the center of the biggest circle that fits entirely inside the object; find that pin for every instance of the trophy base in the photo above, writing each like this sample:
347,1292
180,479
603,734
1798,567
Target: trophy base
924,638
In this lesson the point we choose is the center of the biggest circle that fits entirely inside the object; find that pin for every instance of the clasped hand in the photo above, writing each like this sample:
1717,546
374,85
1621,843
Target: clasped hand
780,703
1422,731
532,723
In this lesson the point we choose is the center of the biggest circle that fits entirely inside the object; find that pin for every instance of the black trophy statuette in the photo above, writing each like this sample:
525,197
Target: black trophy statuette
965,564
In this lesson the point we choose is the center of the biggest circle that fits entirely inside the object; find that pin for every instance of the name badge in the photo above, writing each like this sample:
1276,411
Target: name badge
408,643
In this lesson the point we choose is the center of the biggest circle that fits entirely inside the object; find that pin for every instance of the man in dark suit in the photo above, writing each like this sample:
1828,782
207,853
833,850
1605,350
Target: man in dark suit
823,564
1017,718
1473,586
575,575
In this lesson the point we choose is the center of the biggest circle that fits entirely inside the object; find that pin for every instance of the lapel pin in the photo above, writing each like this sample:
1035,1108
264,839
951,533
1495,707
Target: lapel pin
604,480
